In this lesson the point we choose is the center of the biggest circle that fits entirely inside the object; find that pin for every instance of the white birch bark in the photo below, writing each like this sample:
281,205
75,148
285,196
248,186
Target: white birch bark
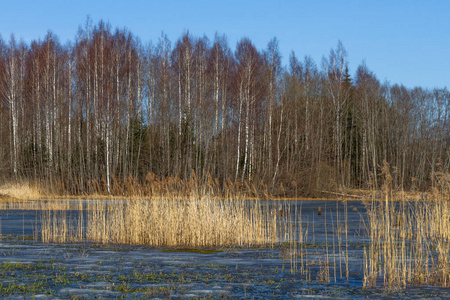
247,117
275,173
69,119
216,88
241,100
12,99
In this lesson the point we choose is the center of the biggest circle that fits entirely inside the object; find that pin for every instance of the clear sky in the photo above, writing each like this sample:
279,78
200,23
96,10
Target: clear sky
405,42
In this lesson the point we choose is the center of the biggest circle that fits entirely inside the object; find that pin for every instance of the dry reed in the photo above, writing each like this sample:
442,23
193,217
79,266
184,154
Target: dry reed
169,212
185,223
410,239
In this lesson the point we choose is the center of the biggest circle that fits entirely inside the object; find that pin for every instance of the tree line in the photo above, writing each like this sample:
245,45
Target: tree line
107,106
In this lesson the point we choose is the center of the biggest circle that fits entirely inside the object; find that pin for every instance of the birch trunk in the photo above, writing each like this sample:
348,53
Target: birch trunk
12,99
275,173
241,100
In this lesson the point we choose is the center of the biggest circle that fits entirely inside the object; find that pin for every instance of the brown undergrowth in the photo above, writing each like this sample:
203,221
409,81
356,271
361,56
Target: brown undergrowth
21,195
153,187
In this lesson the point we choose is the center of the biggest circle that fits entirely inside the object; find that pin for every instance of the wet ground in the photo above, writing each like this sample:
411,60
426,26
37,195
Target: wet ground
318,270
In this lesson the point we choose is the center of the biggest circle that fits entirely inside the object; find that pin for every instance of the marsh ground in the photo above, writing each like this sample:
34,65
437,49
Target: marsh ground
83,271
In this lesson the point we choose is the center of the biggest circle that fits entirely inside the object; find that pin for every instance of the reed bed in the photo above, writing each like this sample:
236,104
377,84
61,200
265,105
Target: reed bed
182,223
163,212
410,240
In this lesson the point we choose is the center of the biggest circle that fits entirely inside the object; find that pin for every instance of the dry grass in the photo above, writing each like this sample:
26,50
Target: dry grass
20,191
154,187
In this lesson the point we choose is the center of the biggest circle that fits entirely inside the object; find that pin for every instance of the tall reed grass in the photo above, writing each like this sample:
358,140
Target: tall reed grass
169,212
409,238
183,223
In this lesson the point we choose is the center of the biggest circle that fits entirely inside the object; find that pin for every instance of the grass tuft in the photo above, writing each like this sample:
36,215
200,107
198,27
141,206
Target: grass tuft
19,191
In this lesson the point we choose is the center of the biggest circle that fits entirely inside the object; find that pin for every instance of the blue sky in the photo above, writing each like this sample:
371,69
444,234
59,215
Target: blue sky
404,42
